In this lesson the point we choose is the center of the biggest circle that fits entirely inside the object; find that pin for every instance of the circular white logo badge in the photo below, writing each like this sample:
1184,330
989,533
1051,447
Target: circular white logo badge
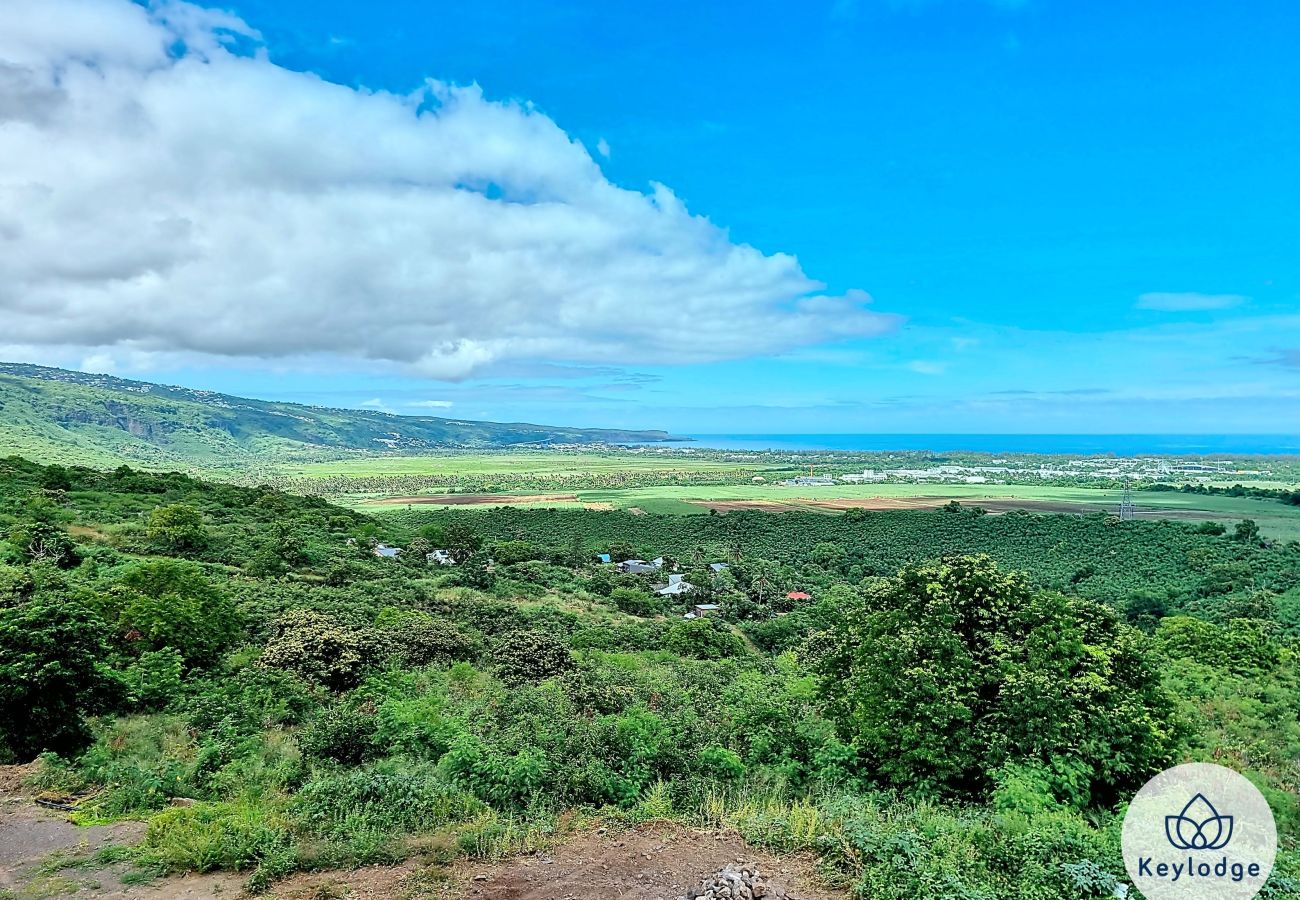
1199,831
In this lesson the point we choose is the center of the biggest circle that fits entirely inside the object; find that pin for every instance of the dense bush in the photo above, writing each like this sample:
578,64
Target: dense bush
419,639
703,638
311,645
948,672
530,656
53,672
168,603
340,734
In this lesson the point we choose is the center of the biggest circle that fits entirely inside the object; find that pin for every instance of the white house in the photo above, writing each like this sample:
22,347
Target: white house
677,584
440,557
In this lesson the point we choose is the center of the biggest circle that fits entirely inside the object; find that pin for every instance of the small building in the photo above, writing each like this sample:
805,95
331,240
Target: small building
637,567
705,609
809,481
383,551
440,558
604,558
798,595
677,584
719,567
658,562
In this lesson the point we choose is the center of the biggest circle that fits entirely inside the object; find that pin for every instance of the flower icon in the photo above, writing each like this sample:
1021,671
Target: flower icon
1199,826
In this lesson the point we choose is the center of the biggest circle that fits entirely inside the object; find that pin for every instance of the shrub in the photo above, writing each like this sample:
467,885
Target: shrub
154,680
53,671
530,656
720,763
416,726
953,669
42,542
340,733
319,649
178,528
636,602
703,638
419,639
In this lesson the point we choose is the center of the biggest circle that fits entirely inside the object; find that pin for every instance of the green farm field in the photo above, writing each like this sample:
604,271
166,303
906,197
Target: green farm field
1276,520
514,462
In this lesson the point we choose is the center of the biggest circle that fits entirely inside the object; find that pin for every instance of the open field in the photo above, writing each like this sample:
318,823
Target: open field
1275,519
517,462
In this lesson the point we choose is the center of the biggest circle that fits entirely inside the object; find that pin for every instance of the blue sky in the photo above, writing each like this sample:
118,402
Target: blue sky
1069,217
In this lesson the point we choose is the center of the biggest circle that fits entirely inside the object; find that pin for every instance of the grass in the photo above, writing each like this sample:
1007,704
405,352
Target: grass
1275,519
521,462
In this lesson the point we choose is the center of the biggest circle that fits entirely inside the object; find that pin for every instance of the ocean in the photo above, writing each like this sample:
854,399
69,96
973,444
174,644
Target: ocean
1117,444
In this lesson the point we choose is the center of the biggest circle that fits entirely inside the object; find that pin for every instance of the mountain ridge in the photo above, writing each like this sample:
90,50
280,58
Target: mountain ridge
62,415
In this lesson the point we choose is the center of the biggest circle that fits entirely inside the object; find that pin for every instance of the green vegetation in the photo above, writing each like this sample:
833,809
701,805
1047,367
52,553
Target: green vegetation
958,709
65,416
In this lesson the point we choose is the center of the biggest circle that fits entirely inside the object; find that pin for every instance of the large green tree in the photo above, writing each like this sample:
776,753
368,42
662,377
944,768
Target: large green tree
53,672
951,671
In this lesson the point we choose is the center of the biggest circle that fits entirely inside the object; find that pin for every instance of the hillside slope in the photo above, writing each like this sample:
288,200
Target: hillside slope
57,415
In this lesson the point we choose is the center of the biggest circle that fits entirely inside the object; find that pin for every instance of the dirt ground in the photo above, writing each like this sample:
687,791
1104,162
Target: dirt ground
476,499
34,841
43,855
652,862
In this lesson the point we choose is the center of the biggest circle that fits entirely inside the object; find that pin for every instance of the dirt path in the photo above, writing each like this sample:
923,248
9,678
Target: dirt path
35,840
651,862
43,855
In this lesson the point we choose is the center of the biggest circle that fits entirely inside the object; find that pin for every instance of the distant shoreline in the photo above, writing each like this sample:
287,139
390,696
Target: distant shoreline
1046,444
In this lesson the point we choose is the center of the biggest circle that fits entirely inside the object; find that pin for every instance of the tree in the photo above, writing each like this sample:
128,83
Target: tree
530,656
1246,531
319,649
703,638
43,542
169,603
952,670
419,639
53,672
461,540
178,528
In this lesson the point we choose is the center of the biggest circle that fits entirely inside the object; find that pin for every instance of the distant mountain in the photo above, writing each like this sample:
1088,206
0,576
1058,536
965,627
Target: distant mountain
56,415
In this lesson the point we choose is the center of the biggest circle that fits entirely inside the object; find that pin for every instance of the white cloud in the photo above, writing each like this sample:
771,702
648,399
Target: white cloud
927,367
602,147
99,364
1189,302
433,404
208,202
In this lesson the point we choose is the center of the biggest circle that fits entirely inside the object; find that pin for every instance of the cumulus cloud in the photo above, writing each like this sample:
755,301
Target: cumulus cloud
433,404
1189,302
167,189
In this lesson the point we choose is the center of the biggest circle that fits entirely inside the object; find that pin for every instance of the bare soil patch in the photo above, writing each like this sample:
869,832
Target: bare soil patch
651,862
476,499
35,842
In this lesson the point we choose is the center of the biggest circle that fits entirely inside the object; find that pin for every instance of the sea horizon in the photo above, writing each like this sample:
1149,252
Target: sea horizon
1090,444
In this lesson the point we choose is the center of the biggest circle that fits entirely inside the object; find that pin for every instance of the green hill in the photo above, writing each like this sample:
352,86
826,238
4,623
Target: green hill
58,415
